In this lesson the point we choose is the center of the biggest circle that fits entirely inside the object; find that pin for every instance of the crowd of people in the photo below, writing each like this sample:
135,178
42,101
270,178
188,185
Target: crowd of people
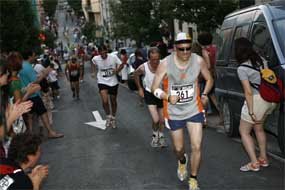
176,89
28,85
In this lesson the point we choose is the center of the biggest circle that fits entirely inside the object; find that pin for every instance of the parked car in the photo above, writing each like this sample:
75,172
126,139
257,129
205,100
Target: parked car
264,25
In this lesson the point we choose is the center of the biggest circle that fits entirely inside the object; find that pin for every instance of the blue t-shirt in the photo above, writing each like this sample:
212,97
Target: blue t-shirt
28,75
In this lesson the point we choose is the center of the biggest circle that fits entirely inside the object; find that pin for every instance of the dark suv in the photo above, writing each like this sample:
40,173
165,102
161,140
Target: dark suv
264,25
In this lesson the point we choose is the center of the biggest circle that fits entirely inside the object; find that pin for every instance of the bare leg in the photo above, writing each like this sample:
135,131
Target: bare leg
196,134
161,119
51,132
77,88
105,101
155,116
178,143
247,140
261,139
113,99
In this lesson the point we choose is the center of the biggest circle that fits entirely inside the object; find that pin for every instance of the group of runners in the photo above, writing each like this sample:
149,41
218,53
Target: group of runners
170,90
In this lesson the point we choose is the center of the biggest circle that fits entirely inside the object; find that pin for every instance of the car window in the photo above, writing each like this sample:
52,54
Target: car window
262,43
223,44
280,31
241,31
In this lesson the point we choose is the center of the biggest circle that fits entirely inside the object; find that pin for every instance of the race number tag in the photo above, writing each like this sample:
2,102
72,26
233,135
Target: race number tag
74,73
107,72
184,92
5,182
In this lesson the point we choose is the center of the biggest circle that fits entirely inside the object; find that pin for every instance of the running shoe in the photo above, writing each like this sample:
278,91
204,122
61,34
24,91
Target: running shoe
182,169
108,121
193,184
250,167
162,141
113,123
155,140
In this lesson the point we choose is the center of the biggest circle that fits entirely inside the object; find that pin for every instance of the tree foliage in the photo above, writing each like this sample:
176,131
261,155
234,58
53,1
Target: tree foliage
50,7
89,30
133,19
206,14
17,27
140,20
76,6
50,38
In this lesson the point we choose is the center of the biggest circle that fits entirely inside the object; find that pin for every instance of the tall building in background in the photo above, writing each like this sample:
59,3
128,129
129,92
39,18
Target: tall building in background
98,12
106,18
92,12
38,12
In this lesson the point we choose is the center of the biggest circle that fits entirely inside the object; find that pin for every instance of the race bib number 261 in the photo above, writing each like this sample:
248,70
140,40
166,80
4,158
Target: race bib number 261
184,92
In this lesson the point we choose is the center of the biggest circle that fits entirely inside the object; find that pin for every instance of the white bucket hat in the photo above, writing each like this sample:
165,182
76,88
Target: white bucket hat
182,37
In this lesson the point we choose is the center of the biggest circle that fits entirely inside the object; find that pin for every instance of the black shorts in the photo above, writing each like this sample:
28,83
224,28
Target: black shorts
150,99
113,90
38,105
74,78
54,85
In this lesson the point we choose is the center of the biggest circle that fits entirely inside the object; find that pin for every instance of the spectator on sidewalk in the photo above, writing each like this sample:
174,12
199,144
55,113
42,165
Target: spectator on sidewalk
28,76
45,89
8,113
209,51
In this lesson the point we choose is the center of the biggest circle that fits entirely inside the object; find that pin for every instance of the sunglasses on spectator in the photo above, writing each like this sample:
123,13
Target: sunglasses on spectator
184,49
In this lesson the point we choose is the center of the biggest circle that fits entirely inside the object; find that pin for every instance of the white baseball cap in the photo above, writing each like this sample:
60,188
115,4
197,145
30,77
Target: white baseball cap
182,37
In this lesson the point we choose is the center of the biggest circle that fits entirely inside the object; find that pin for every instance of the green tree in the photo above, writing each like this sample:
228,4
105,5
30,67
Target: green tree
50,38
76,6
139,20
50,7
89,30
134,19
208,15
17,27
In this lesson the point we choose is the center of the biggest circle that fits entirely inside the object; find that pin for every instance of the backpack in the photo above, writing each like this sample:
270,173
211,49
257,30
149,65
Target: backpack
271,87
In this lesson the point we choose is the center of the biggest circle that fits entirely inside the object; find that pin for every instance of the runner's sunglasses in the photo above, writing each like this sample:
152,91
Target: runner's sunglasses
184,49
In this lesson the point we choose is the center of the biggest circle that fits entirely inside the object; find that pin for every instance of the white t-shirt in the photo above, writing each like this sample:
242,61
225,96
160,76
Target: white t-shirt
106,67
39,68
52,76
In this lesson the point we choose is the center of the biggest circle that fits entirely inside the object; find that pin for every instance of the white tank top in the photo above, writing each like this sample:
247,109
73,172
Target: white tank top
148,77
185,85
